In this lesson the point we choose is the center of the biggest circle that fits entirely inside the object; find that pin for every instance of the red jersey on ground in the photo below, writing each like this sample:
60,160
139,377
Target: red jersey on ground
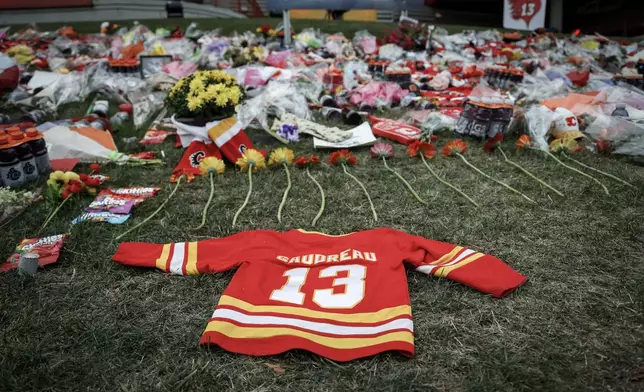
342,297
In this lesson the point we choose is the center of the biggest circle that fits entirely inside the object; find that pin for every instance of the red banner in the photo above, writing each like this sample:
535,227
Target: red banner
25,4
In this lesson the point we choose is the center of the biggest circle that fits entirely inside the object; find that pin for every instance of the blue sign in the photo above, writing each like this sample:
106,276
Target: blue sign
346,4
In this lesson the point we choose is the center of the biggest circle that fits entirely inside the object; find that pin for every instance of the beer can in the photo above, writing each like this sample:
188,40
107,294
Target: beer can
332,114
352,117
36,116
28,264
328,101
98,124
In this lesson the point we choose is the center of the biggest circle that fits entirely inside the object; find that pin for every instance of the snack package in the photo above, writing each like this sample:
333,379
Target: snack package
138,193
394,130
115,219
48,248
106,201
154,136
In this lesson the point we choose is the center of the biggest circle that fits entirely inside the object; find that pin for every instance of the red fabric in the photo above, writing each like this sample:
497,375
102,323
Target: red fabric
321,293
189,163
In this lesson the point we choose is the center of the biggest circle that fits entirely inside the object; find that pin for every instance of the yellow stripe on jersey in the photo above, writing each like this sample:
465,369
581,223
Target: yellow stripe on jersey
448,256
162,261
191,266
444,271
221,127
373,317
323,234
237,332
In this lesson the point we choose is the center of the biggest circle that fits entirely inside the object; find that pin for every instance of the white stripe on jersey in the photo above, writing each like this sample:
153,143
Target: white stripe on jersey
178,255
229,134
335,329
427,269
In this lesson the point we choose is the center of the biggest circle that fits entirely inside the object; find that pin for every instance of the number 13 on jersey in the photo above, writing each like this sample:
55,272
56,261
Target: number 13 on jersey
353,284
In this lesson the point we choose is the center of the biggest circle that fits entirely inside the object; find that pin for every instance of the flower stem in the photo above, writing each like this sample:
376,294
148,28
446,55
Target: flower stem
600,172
495,180
288,188
51,216
551,155
373,209
528,173
401,178
155,212
447,183
250,190
323,204
205,209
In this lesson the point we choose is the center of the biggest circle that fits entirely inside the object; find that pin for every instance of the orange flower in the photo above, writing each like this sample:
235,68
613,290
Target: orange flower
426,148
491,143
454,147
524,141
314,159
343,157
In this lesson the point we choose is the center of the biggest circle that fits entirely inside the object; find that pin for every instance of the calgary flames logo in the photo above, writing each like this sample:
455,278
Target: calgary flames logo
195,158
524,9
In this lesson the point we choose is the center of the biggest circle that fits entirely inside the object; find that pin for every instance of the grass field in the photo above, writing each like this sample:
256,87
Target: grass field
88,323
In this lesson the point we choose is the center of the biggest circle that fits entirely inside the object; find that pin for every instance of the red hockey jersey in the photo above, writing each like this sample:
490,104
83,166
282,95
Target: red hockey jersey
342,297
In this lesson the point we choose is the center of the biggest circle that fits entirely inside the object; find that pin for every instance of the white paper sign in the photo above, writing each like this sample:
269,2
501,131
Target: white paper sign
360,136
524,14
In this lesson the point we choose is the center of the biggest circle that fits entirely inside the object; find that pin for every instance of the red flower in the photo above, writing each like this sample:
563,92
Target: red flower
433,138
426,148
93,182
314,159
491,143
454,147
75,187
343,157
84,177
301,161
95,168
65,194
524,141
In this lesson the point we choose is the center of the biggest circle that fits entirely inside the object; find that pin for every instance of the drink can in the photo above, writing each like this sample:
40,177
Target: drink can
352,118
332,114
98,124
36,116
119,118
28,264
328,101
82,123
101,108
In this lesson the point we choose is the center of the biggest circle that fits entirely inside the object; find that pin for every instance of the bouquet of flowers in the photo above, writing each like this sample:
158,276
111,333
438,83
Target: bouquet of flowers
408,35
266,31
205,94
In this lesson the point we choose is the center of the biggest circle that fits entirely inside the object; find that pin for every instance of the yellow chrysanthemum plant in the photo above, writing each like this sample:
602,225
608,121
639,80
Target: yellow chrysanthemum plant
210,166
205,95
282,157
250,162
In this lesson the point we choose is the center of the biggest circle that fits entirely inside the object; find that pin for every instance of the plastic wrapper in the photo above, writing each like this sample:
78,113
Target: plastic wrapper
179,48
430,122
276,99
365,43
114,86
179,69
538,119
145,105
378,94
537,89
391,52
309,38
617,135
355,73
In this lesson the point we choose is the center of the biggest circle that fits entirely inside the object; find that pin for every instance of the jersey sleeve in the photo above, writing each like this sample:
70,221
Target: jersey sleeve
198,258
482,272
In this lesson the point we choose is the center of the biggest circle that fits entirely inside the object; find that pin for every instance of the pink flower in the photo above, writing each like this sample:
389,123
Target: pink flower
382,150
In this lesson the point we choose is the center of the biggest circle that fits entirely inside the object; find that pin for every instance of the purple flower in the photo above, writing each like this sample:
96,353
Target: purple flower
289,132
